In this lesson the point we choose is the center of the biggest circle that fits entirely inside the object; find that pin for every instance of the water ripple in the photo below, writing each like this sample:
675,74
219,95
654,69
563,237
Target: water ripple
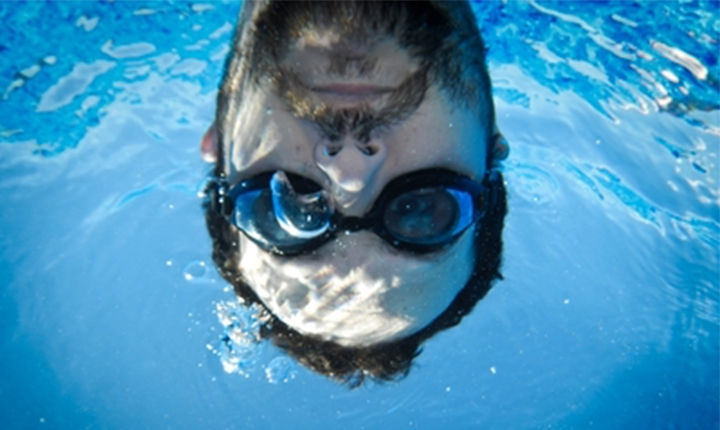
532,183
76,83
682,58
647,56
630,198
71,86
131,50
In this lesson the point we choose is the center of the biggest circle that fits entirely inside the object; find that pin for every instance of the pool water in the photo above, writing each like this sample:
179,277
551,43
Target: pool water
112,315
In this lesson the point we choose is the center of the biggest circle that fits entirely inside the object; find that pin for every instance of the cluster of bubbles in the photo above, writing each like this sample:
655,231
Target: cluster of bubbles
240,339
240,343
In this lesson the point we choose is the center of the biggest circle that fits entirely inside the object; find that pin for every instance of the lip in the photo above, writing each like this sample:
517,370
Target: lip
347,95
351,90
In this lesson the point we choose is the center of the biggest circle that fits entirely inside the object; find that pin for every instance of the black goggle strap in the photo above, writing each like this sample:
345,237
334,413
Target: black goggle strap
218,194
352,224
485,198
490,195
221,195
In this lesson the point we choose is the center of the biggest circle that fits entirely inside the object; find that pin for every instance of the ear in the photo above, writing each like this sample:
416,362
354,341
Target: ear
209,145
501,149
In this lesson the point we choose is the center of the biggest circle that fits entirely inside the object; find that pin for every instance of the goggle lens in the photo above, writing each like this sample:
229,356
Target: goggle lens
425,216
257,216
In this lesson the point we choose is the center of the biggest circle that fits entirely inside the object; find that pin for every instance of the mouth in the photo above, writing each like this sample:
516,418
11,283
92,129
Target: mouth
350,89
342,94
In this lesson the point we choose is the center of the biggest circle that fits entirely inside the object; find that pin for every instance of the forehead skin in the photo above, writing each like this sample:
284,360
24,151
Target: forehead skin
355,290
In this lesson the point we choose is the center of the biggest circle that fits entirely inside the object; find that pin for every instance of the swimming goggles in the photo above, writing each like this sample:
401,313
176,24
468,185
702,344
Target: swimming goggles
287,214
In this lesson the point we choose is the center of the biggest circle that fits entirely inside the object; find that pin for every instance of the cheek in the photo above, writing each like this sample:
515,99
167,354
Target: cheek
438,135
425,290
249,121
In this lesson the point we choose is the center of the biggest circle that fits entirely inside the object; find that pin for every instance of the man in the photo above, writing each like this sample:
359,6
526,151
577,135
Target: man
354,196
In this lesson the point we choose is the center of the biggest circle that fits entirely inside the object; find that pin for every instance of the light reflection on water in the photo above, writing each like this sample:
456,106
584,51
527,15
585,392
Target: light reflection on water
113,316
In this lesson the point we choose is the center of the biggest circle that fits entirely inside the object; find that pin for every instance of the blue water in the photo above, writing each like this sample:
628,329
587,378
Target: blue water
111,313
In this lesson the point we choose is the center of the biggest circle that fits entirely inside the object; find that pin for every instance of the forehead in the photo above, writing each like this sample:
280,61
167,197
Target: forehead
354,291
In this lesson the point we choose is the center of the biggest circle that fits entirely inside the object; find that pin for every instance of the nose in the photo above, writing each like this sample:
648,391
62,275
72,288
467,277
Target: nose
351,167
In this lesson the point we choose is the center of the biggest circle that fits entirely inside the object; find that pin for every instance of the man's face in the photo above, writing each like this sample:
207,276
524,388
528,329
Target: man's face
352,113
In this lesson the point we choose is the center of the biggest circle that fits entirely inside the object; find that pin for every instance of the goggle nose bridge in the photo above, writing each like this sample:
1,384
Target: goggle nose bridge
354,224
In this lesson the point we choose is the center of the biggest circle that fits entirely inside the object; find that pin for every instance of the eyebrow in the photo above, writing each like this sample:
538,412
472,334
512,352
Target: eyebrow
358,122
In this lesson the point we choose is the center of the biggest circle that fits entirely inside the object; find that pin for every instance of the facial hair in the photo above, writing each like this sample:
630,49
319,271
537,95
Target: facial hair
441,37
358,122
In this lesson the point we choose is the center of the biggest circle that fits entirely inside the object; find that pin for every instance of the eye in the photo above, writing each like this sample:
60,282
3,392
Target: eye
423,215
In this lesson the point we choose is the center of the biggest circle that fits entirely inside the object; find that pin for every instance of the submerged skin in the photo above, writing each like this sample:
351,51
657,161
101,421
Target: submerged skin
357,290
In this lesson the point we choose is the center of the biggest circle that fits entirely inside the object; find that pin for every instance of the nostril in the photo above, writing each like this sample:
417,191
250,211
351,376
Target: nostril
368,150
332,150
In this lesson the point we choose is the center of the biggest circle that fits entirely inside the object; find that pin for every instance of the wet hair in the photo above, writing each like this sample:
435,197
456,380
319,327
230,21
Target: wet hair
385,361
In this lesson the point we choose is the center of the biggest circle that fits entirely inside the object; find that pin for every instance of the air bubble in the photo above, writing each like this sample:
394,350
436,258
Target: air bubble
279,370
196,271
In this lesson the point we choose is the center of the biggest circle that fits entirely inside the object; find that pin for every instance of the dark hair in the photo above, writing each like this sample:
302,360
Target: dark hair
386,361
